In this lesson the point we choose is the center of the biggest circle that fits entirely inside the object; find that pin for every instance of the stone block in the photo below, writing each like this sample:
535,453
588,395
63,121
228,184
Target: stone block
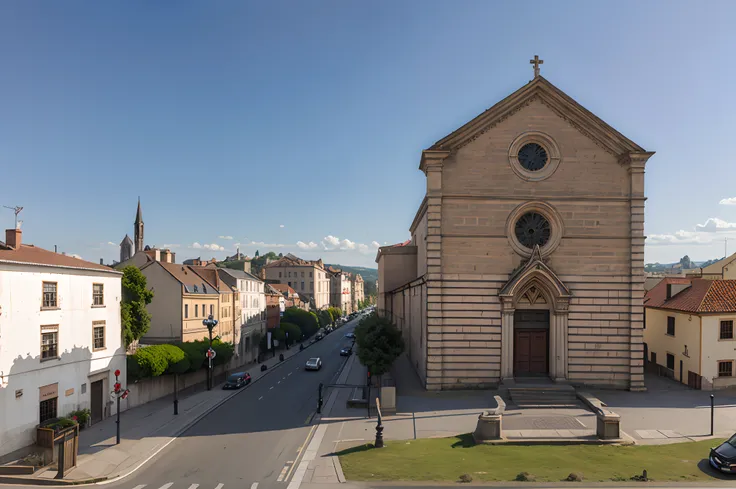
489,427
608,425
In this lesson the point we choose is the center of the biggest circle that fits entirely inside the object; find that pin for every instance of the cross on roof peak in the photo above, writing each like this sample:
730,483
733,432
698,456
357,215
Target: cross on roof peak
536,62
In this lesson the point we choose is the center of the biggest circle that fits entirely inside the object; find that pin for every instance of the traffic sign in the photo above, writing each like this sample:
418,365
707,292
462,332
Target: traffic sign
211,353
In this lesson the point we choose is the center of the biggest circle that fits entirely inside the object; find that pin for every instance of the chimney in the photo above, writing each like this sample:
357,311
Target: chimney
246,266
13,238
101,262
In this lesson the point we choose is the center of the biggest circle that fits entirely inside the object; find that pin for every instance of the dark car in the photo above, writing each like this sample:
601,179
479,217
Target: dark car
350,335
346,352
319,337
723,457
237,380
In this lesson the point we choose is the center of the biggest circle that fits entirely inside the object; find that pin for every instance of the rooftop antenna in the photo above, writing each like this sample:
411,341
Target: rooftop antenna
17,210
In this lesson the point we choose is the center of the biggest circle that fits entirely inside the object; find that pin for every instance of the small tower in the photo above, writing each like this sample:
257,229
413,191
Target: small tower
138,228
126,249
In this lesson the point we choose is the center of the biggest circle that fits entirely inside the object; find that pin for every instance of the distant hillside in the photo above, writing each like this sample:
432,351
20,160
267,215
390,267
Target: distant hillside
367,273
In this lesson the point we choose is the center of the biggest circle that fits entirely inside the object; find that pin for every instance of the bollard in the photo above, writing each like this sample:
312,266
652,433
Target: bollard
176,394
712,413
319,399
281,357
379,432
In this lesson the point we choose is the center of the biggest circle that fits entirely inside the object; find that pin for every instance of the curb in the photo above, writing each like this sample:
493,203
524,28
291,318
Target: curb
110,479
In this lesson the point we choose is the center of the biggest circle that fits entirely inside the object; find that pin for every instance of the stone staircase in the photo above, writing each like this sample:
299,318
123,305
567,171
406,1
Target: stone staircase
543,395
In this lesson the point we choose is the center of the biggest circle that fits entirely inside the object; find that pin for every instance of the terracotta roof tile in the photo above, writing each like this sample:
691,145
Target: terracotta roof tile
32,255
702,295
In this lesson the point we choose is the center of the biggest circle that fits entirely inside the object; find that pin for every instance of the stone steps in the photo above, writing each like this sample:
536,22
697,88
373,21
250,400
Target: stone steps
544,396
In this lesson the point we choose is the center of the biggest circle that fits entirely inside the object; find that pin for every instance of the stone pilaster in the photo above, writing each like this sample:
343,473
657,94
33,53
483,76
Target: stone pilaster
559,354
431,165
507,341
635,164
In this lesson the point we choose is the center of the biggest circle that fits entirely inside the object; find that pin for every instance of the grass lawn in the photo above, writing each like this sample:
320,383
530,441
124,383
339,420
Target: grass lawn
445,459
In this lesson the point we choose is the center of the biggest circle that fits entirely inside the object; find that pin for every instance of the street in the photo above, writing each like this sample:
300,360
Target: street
254,438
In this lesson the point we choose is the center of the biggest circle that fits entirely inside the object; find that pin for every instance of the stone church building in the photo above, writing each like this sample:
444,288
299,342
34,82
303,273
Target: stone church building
526,255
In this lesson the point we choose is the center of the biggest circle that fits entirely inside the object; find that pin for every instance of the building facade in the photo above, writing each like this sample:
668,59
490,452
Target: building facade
60,339
341,290
308,278
253,310
689,331
357,290
526,255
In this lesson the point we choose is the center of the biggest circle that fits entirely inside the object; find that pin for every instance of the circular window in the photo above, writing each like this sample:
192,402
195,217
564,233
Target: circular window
533,229
533,157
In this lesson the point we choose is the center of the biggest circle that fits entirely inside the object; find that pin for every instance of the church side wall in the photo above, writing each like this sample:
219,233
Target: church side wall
409,315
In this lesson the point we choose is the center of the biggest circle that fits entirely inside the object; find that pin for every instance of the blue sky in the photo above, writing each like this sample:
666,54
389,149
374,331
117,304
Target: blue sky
303,122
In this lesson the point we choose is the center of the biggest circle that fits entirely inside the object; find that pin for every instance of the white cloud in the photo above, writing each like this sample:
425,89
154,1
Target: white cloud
171,246
679,238
375,244
281,225
196,245
74,255
111,243
330,242
307,246
715,225
346,244
214,247
729,201
225,237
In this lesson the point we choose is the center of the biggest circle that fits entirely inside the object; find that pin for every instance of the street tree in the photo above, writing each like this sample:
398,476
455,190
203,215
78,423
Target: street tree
134,317
379,343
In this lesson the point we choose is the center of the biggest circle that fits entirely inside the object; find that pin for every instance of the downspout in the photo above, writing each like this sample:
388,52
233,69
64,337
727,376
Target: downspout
700,346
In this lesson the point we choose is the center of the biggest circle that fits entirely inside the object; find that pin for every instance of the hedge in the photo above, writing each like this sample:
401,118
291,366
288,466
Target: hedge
306,321
155,360
295,334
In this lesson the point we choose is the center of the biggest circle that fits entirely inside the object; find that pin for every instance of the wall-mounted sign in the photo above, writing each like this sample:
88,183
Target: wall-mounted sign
48,391
69,392
18,393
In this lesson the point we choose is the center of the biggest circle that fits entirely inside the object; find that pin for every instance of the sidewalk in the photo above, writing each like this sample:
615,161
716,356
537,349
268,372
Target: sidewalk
144,431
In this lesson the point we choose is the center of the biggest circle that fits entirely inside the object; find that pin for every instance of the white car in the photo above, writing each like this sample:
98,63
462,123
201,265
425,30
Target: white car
313,364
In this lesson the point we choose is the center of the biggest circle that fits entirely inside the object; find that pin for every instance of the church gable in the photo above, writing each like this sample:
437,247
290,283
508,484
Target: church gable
564,106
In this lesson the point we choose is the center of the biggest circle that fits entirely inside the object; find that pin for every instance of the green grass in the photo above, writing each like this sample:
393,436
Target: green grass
445,459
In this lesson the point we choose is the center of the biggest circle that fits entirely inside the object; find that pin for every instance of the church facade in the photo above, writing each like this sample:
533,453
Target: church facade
526,255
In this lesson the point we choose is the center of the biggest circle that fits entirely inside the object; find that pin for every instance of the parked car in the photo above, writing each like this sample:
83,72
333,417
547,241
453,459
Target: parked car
350,335
346,352
237,380
319,336
723,457
313,364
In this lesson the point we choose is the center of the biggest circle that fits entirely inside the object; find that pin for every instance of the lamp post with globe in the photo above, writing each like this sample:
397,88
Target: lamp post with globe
210,323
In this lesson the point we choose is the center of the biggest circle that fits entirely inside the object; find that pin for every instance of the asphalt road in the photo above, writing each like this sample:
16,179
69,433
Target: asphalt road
254,438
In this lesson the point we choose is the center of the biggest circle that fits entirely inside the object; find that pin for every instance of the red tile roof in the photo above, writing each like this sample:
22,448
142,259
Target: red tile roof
701,297
32,255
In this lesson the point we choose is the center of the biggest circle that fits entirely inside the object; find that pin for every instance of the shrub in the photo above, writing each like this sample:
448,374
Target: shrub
575,477
525,477
81,416
224,350
151,361
195,353
325,318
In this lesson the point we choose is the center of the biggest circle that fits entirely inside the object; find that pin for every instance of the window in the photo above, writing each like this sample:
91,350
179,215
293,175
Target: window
196,310
98,335
725,369
49,295
289,284
311,286
279,274
49,342
47,409
302,285
670,326
186,311
302,274
212,309
98,295
670,361
289,274
310,274
726,330
204,309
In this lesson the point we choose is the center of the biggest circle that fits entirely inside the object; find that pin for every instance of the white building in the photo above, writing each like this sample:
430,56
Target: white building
60,339
252,310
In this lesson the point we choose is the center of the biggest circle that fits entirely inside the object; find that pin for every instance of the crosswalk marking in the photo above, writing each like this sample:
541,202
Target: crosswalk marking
166,486
219,486
140,486
194,486
191,486
282,474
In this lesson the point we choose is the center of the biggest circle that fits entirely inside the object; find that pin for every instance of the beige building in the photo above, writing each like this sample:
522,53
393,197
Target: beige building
308,278
724,269
689,331
357,289
182,300
526,255
226,306
341,290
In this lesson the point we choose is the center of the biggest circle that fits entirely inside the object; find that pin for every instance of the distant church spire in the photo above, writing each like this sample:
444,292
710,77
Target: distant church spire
138,228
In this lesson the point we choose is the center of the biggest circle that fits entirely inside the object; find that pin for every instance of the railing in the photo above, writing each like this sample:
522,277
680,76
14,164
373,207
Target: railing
397,320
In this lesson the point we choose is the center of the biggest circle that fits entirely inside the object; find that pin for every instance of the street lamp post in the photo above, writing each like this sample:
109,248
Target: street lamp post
210,323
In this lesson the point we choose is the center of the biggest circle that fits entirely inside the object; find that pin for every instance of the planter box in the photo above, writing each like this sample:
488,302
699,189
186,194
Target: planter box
48,439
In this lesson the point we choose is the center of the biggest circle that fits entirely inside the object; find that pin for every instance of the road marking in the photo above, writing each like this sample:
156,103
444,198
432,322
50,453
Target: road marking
270,388
194,486
282,474
254,485
278,382
260,398
166,486
140,486
309,454
309,418
299,452
289,374
219,486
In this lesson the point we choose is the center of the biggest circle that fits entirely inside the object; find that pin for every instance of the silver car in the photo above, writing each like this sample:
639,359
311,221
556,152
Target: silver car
313,364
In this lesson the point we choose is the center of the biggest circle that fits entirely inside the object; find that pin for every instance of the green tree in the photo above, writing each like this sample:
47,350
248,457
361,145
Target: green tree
379,343
336,312
257,254
155,360
307,321
134,317
295,334
325,318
